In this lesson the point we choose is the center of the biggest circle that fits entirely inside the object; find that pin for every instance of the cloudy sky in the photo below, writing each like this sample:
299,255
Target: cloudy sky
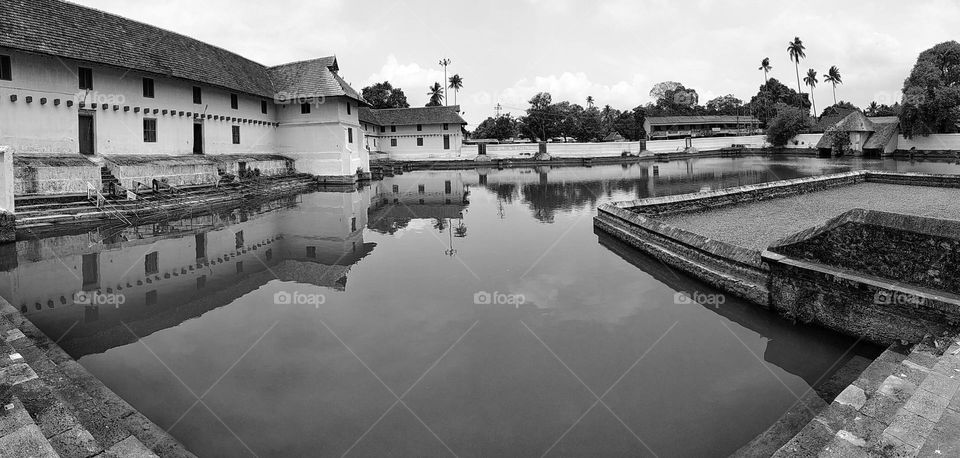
613,50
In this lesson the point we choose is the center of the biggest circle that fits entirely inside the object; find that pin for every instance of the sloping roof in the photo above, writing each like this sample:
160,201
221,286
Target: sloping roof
311,78
884,119
855,122
826,122
826,141
76,32
673,120
410,116
613,137
884,132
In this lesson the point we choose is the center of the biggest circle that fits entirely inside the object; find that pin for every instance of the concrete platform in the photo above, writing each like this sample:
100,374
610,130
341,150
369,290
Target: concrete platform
756,225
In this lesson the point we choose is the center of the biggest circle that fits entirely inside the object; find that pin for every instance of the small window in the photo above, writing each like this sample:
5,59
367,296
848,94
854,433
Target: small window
234,101
304,108
396,189
393,142
446,142
350,134
151,263
263,106
353,223
149,130
239,239
383,129
311,252
419,127
446,126
148,88
348,108
236,135
197,95
5,69
419,141
447,187
421,189
239,267
86,78
393,128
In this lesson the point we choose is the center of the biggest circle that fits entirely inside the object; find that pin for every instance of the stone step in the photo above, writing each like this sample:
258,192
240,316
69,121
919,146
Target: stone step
73,410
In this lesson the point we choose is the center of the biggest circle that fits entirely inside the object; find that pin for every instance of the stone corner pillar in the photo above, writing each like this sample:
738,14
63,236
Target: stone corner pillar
7,221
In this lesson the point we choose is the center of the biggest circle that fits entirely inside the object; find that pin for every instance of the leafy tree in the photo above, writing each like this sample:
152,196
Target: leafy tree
788,122
796,50
833,77
724,105
436,95
764,104
499,128
629,124
883,109
672,98
541,119
839,108
931,94
384,95
456,83
811,80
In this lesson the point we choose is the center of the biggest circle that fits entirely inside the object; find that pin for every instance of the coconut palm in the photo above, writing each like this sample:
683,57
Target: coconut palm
872,109
833,77
796,50
456,83
766,67
811,80
436,95
590,101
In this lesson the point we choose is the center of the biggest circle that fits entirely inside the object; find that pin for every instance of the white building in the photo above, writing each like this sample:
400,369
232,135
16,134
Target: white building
413,133
78,81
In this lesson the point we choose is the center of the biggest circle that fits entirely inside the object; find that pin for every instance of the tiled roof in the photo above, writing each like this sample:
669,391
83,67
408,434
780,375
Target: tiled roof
856,122
76,32
311,78
884,132
411,116
674,120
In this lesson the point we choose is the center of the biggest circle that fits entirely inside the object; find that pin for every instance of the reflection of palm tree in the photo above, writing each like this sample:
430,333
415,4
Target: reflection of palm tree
436,95
456,82
811,80
796,50
833,77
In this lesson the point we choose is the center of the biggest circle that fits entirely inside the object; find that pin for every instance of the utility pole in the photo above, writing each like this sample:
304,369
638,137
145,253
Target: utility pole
445,62
498,108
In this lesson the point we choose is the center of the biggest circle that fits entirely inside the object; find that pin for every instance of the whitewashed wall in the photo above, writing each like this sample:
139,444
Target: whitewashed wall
935,142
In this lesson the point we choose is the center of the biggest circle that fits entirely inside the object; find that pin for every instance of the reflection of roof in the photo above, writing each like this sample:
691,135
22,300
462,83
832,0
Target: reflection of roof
672,120
75,32
419,211
411,116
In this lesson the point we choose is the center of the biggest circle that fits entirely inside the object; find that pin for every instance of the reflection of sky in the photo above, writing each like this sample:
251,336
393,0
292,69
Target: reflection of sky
720,377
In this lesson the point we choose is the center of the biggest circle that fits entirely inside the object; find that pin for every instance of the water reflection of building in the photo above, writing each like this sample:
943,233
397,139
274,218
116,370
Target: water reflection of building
170,272
439,196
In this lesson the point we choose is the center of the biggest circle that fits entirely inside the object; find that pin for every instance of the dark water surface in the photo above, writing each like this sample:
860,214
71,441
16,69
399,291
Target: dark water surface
399,269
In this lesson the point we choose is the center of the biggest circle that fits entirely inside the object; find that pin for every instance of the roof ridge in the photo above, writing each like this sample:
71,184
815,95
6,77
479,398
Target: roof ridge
334,57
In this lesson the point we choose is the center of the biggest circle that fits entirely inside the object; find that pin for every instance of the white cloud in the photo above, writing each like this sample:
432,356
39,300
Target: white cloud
411,77
576,87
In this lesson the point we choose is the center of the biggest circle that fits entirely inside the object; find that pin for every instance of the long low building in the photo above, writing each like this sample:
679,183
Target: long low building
413,133
78,81
662,127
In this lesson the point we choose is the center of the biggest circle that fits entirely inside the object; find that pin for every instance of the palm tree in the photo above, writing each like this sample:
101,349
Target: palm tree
833,77
456,83
795,48
811,80
590,101
766,67
872,109
436,95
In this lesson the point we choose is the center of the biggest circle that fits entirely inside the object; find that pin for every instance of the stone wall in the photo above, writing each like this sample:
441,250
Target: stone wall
7,228
50,174
853,303
176,171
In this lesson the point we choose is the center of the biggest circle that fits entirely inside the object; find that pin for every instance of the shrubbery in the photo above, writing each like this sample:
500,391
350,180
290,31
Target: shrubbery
788,122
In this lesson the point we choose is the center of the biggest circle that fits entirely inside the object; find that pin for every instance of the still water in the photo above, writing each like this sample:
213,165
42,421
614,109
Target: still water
472,312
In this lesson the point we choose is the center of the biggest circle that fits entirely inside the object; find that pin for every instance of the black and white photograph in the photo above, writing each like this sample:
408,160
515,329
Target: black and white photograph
469,229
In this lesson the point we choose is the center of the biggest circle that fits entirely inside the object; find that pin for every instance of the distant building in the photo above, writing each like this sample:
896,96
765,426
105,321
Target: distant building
665,127
421,132
871,137
78,81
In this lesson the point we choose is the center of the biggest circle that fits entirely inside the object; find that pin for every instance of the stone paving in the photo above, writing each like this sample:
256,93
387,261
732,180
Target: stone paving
51,406
905,404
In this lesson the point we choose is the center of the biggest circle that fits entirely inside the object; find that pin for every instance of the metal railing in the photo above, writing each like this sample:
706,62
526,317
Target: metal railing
105,205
